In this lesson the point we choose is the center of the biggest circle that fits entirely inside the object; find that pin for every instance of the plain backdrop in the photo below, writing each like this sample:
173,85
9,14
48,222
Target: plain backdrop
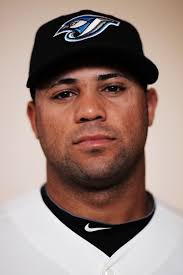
160,24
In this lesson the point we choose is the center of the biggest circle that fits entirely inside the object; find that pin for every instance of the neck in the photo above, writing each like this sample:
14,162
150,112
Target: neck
126,201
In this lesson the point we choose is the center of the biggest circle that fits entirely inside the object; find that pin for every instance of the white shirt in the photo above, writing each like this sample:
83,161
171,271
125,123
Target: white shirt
34,242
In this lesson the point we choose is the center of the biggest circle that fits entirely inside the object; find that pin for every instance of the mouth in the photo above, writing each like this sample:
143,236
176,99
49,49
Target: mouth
94,141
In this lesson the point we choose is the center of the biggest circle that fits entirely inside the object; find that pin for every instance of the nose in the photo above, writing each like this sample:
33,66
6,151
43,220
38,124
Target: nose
89,108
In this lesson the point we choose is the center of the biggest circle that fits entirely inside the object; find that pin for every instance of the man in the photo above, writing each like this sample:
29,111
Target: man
90,110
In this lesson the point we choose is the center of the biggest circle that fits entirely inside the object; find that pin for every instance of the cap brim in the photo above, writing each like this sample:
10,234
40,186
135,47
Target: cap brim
112,55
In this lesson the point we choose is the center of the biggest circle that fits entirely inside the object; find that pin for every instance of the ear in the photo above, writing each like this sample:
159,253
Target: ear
152,100
31,112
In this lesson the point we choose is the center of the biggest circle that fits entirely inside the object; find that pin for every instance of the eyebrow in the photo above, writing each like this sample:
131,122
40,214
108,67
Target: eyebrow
110,75
74,80
64,81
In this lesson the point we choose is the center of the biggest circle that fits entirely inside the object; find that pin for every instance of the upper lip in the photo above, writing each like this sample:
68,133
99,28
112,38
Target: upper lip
92,137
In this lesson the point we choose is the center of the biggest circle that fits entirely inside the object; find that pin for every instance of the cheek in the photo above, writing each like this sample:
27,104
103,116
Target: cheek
51,128
131,121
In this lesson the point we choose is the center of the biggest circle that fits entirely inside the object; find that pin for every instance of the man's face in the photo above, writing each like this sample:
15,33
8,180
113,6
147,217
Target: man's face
92,125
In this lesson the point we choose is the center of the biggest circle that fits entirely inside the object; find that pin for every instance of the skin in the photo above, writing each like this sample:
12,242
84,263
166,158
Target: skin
92,124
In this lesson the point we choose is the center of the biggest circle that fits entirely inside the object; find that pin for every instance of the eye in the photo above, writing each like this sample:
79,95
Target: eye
77,24
64,95
115,88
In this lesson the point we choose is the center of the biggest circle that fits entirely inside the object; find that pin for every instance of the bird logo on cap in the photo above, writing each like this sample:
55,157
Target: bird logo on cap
85,26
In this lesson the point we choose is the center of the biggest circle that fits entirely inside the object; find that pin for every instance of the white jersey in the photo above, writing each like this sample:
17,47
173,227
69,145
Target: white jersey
34,242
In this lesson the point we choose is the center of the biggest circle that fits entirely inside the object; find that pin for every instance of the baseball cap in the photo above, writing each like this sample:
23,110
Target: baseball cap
60,41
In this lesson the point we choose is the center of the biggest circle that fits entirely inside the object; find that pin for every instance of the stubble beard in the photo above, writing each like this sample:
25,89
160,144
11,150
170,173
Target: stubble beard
104,175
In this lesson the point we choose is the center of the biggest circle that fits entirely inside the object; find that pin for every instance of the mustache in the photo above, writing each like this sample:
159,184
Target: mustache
94,129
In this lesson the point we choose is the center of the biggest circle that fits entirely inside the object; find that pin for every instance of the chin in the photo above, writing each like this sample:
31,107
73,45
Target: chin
98,178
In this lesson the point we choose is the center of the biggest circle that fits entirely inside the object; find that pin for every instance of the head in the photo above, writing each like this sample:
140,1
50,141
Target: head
92,116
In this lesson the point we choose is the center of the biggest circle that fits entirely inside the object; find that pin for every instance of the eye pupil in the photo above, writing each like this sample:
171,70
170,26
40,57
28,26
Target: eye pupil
113,88
63,95
74,23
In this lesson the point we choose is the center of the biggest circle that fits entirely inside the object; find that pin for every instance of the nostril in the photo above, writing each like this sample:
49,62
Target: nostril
99,117
83,119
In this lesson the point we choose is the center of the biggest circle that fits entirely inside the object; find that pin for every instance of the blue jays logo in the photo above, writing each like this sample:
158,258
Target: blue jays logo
84,27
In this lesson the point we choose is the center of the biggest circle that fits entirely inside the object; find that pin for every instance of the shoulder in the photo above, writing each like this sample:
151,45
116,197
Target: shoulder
22,228
17,204
166,228
168,215
16,210
166,239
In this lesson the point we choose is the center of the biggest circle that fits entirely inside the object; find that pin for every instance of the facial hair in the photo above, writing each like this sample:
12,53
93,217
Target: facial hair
108,174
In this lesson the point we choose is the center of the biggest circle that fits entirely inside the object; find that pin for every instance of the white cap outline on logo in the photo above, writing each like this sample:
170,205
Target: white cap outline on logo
98,20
